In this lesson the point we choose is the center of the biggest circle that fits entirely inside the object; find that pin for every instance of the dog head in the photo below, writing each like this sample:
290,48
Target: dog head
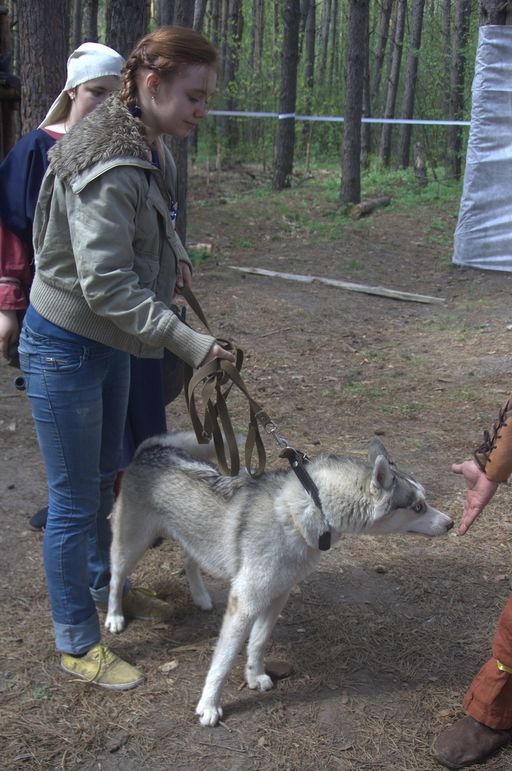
400,503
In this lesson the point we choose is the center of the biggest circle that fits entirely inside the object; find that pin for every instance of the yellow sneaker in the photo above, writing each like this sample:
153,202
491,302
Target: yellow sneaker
141,603
102,667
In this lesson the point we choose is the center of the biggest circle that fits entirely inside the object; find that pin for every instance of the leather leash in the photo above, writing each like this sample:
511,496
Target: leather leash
216,380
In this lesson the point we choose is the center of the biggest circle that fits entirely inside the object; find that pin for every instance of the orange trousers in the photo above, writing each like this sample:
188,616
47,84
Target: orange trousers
489,697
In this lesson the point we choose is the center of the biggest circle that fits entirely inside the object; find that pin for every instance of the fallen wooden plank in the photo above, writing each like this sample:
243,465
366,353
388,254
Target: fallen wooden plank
381,291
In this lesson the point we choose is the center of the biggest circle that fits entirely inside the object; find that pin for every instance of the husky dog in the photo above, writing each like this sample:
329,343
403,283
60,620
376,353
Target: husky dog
260,534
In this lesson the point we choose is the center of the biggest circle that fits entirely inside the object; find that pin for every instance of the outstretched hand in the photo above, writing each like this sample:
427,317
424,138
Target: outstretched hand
480,492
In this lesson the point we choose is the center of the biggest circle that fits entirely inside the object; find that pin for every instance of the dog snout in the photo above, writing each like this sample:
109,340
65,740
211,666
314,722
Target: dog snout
450,524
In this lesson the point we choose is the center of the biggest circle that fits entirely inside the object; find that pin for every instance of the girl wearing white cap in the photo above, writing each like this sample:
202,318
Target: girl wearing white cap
108,261
93,73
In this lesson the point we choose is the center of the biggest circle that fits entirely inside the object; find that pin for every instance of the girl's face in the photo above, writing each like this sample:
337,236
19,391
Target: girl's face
177,106
88,95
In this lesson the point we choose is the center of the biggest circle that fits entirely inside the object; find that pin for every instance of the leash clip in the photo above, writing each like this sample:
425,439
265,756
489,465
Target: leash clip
271,428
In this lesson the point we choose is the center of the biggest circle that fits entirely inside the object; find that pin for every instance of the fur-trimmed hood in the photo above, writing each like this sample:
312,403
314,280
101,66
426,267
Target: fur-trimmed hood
108,133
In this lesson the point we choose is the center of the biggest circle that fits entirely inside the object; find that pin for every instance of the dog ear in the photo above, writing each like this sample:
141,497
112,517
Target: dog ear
376,448
382,477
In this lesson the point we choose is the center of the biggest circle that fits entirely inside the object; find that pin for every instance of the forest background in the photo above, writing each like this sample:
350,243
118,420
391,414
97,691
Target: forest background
397,60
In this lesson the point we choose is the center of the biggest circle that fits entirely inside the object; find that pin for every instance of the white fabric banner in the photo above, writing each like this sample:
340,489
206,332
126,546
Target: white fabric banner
483,235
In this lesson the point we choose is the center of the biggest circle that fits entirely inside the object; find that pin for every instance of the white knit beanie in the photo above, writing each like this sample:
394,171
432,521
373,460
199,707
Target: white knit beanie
88,62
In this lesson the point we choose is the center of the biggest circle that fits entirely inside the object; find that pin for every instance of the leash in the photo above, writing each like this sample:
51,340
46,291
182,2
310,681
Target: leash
215,380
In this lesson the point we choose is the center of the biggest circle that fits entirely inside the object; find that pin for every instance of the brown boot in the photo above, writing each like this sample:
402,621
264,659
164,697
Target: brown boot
466,742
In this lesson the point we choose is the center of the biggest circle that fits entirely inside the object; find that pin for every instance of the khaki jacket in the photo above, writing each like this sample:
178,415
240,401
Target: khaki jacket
106,252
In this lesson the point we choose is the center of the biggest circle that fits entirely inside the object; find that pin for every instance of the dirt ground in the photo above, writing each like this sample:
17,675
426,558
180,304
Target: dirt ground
385,637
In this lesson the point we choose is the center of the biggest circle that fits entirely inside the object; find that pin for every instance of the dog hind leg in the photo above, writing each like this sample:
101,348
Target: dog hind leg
198,590
127,548
255,674
235,629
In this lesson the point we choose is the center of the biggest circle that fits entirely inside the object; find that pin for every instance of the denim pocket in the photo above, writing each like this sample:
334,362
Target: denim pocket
61,361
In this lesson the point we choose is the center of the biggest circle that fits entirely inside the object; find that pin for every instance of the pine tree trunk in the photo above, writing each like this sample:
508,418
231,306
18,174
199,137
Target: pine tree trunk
199,12
495,12
90,20
410,82
9,87
309,10
164,12
285,144
324,39
43,50
126,22
351,154
184,13
234,29
366,128
460,40
394,76
382,41
76,24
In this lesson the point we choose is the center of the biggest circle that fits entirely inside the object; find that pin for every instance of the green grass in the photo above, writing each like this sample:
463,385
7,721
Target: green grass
312,204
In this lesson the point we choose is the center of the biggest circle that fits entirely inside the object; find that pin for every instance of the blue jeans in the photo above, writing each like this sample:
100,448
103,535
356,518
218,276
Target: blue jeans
78,395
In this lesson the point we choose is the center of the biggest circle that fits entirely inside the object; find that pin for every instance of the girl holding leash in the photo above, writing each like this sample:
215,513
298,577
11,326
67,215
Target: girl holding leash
107,263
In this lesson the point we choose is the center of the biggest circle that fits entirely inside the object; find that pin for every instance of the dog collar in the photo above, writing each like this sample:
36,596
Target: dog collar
297,460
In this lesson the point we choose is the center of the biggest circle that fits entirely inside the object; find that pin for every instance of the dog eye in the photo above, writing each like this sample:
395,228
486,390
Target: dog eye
418,507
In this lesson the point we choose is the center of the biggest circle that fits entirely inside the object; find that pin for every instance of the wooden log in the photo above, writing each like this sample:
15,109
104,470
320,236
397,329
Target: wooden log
381,291
366,207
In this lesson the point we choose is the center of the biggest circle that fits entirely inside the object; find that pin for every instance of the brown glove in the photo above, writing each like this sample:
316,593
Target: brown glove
495,454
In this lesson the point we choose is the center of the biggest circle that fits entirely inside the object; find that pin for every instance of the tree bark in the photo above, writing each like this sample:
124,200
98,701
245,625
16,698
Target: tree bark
309,12
43,49
126,23
184,13
351,152
9,86
90,21
76,24
164,11
411,77
199,12
233,35
460,40
334,48
324,38
495,12
382,41
366,128
285,144
394,76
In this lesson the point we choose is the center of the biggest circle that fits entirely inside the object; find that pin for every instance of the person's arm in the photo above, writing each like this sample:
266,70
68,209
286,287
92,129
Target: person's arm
491,465
15,278
480,491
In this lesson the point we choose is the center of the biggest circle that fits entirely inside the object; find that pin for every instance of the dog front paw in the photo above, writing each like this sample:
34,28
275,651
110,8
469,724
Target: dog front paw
262,682
114,622
209,714
204,602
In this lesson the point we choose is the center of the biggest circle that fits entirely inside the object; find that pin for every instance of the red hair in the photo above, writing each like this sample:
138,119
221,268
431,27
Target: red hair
167,50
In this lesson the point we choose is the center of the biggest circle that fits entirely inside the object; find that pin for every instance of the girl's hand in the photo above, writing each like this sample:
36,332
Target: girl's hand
9,331
184,277
218,352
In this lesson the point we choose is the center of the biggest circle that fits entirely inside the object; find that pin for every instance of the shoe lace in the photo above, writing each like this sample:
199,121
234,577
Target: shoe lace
103,656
